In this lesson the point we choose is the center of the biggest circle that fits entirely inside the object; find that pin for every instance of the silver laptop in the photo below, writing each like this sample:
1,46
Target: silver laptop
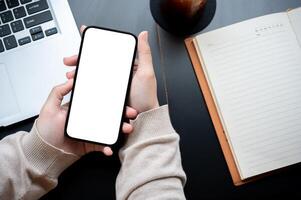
35,35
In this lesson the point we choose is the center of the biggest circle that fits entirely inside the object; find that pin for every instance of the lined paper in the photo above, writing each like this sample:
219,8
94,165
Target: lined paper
254,73
295,19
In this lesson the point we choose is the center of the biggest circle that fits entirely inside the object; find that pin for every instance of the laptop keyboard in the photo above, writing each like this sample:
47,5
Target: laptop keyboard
22,21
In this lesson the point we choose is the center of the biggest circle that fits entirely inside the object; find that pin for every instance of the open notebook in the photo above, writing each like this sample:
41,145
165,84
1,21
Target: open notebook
250,75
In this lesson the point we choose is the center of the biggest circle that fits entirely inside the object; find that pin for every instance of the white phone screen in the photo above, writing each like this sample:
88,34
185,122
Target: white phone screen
101,84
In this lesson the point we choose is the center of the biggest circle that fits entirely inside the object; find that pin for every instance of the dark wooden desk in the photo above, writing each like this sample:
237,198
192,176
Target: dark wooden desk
93,177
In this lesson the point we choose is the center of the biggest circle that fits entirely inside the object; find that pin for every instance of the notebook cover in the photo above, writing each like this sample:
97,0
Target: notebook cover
213,113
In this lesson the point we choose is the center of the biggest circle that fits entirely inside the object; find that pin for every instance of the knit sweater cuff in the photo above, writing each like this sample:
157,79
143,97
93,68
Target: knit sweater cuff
150,124
46,158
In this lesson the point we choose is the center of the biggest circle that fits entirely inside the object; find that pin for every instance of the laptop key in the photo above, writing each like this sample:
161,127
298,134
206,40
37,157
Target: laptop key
25,1
7,16
35,30
37,36
1,47
24,41
4,30
36,6
51,31
19,12
37,19
12,3
17,26
2,5
10,42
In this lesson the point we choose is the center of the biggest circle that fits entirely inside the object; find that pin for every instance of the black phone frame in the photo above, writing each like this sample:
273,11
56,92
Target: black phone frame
127,90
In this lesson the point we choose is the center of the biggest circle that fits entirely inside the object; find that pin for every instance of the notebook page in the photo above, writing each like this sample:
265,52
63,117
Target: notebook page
254,72
295,19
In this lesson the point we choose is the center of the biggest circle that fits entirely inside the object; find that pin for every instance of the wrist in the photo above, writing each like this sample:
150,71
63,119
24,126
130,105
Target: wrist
56,138
46,158
151,124
151,106
43,131
156,104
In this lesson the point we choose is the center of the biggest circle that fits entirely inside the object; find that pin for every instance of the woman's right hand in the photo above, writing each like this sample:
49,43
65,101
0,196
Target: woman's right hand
143,92
143,95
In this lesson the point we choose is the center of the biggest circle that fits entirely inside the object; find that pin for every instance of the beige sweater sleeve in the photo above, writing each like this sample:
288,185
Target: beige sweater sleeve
29,167
151,160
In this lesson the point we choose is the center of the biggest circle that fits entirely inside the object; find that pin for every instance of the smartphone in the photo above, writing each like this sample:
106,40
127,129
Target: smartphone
101,84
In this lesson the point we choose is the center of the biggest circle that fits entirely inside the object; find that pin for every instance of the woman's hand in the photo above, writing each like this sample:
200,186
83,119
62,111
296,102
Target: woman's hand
52,118
51,124
143,93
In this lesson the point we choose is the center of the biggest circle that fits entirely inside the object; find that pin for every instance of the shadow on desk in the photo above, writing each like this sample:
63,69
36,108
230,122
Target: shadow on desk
91,177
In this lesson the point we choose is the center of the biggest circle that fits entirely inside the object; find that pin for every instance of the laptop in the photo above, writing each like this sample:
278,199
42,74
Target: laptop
35,35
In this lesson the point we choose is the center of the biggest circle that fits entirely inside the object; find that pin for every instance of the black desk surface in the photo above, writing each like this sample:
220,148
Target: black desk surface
93,177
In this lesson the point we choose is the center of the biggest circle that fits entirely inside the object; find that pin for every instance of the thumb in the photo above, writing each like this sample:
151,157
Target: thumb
144,51
58,92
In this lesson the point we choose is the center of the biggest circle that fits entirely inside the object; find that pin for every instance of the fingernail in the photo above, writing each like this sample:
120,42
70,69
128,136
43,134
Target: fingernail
107,151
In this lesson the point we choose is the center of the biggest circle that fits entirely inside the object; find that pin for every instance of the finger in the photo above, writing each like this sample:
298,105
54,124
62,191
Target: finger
107,151
130,113
127,128
57,93
91,147
70,75
71,61
82,28
144,51
98,148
